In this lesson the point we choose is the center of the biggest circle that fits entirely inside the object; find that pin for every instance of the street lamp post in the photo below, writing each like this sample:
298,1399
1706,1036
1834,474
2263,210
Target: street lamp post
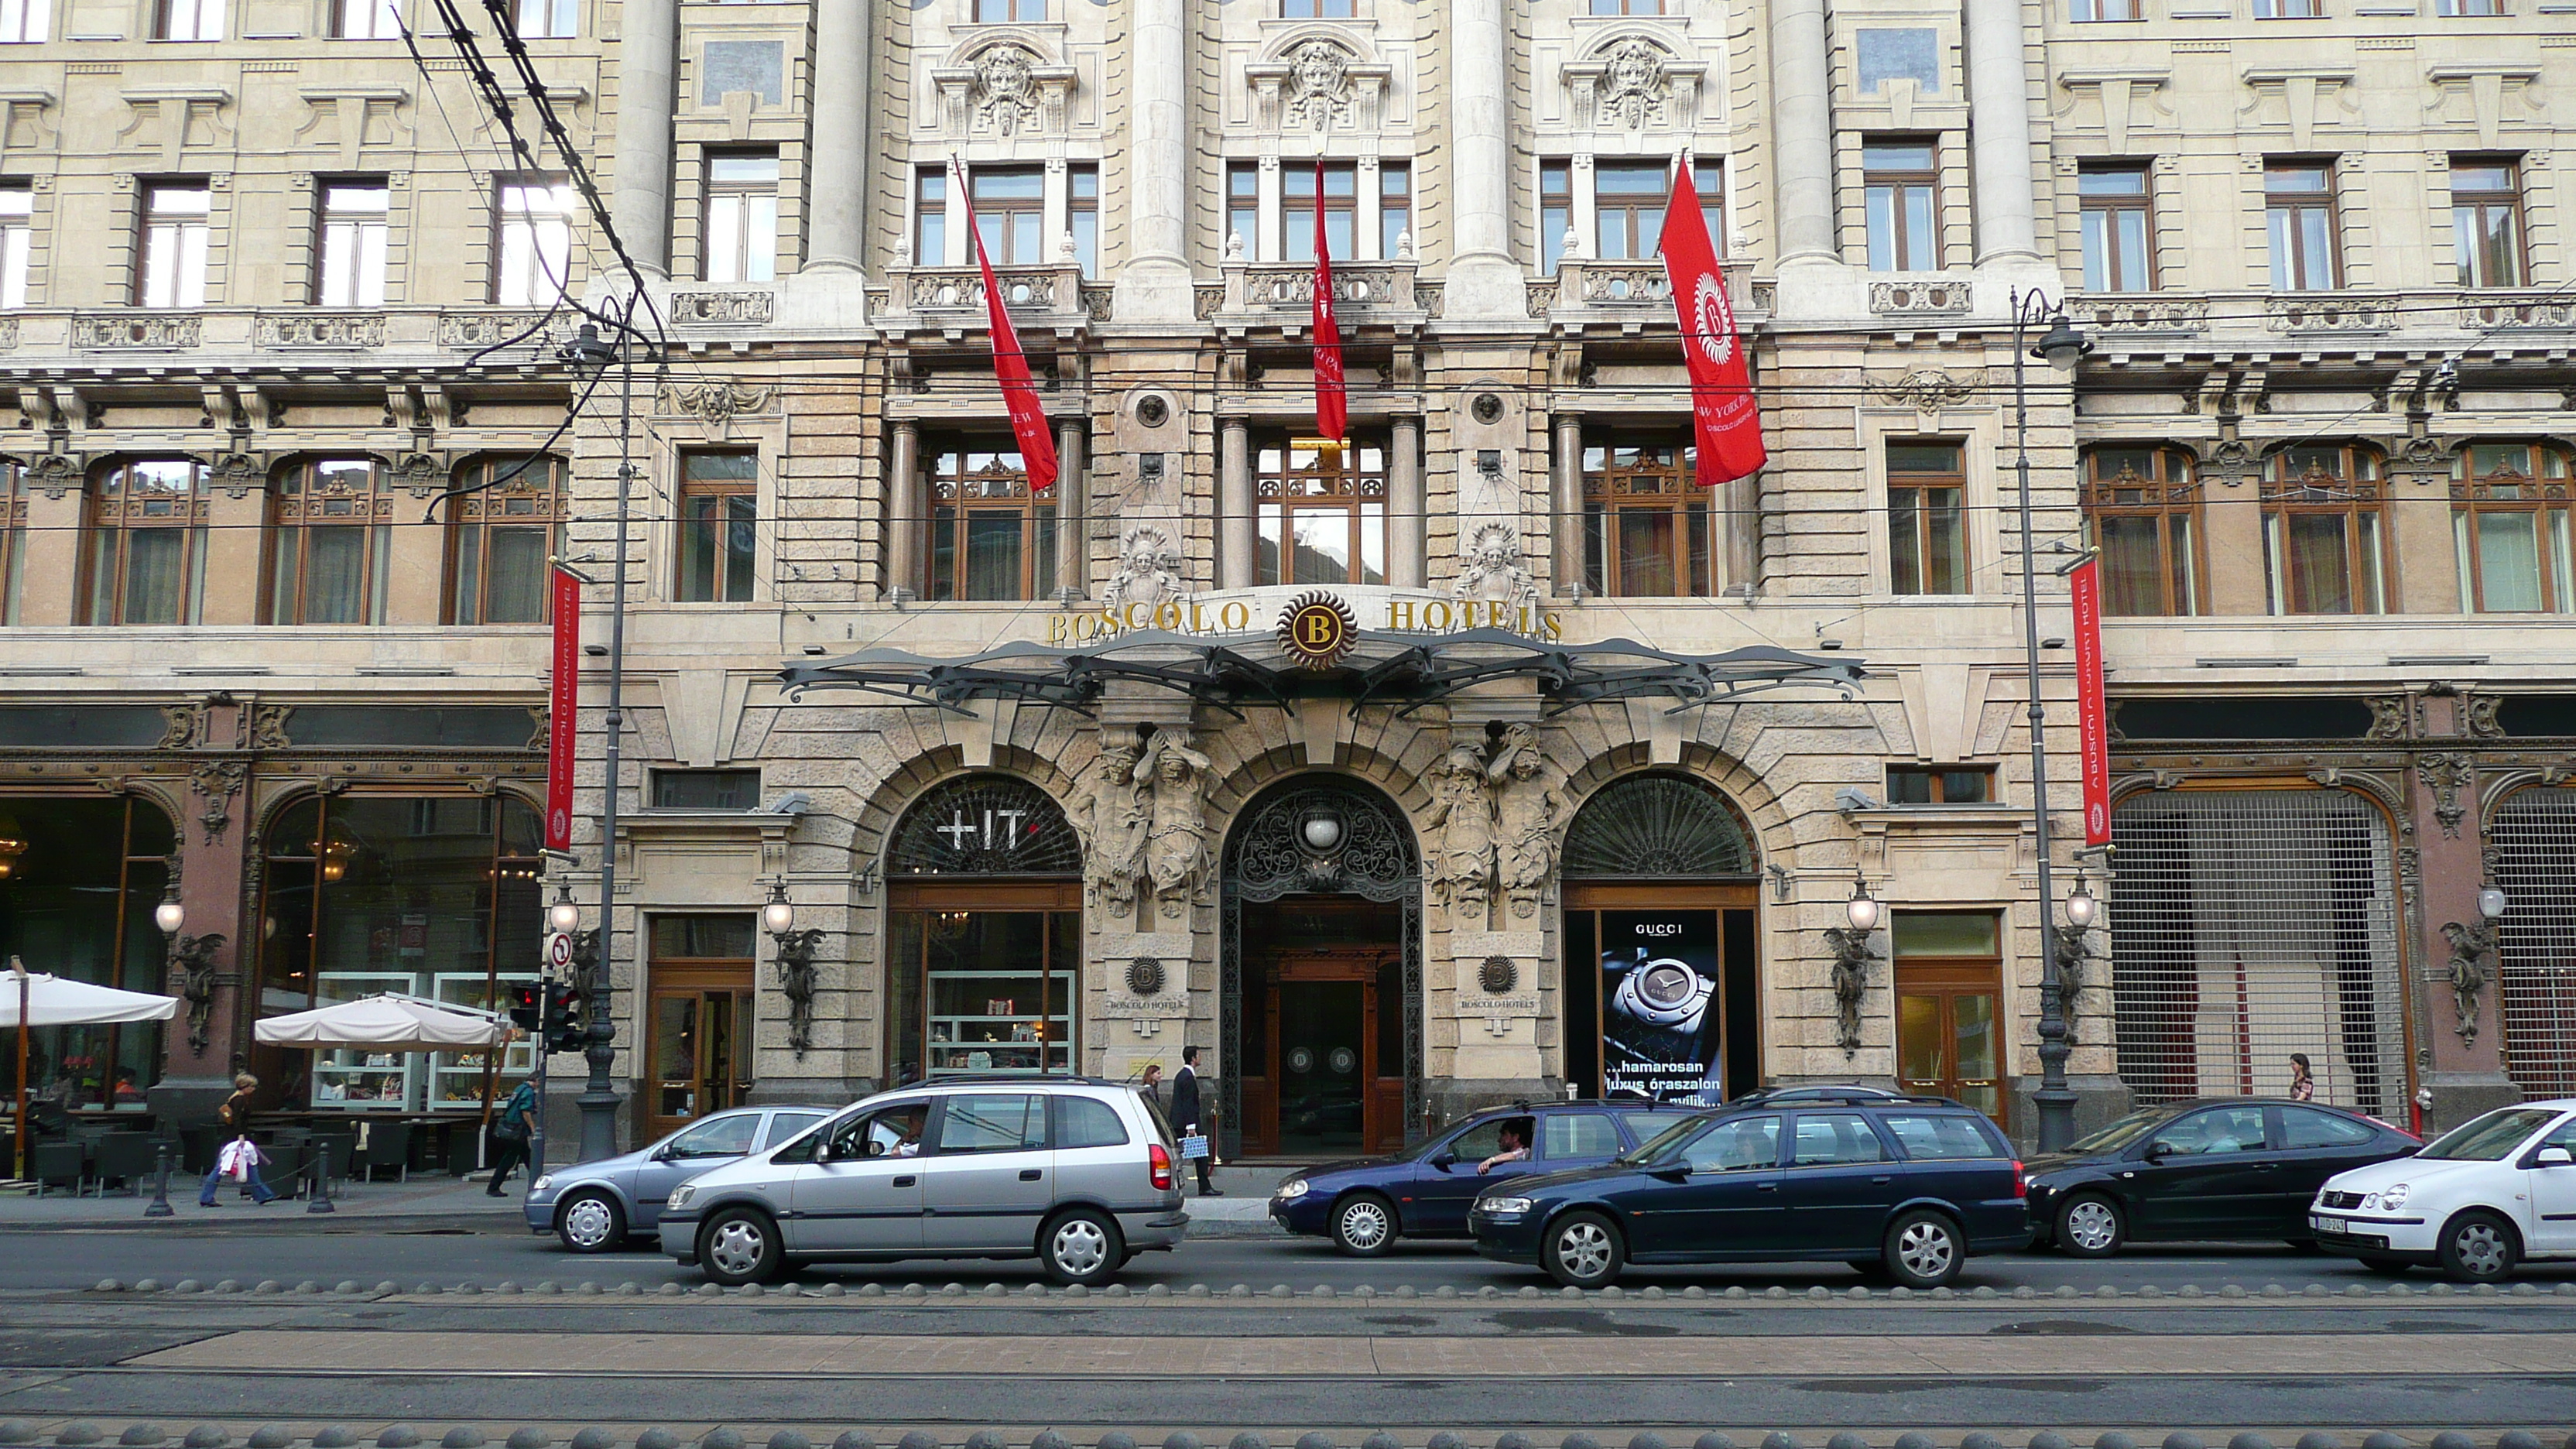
2060,347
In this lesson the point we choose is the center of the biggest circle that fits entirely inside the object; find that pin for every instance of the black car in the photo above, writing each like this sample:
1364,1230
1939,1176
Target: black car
2234,1168
1364,1206
1911,1186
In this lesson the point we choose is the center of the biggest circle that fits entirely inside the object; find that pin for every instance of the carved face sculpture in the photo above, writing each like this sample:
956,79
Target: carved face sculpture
1005,73
1319,71
1633,69
1526,763
1463,763
1173,768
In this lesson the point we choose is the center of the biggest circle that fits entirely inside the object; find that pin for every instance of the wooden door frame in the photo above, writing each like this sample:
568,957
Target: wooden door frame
1947,978
698,977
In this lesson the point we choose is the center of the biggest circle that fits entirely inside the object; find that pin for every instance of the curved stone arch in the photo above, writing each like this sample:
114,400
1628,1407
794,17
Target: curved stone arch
1674,43
882,807
1602,795
1243,777
280,464
1758,808
1355,41
1038,43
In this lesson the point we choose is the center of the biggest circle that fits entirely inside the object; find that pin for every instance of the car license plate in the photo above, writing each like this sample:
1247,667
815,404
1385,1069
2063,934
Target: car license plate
2324,1225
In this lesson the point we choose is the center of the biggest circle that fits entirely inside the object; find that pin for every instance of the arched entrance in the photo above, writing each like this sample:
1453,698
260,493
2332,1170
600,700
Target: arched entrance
983,933
1662,972
1321,1001
2532,837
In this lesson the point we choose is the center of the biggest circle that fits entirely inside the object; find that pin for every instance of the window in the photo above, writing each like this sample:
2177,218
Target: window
187,19
787,1124
1833,1139
2299,210
500,532
2105,10
989,537
366,19
1010,12
719,526
1298,201
2470,9
889,1132
1394,208
1010,213
2289,9
2118,224
1628,208
2321,531
1323,512
1940,784
17,240
742,216
1747,1144
1555,211
173,250
1242,211
22,22
549,19
1646,525
147,543
2308,1127
1901,183
1927,539
1314,9
930,217
1708,178
1577,1135
1627,7
1486,1138
706,789
535,219
994,1122
2509,521
79,900
330,535
2143,506
352,244
728,1136
1088,1122
1082,215
1939,1139
2220,1129
2486,220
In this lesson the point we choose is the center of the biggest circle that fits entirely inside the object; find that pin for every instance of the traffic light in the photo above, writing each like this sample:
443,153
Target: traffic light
527,1003
564,1031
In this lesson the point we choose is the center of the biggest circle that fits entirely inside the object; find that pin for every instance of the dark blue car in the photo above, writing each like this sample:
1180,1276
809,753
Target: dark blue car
1907,1186
1365,1206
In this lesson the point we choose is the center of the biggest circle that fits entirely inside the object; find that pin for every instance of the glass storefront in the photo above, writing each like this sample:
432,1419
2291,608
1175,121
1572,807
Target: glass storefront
78,881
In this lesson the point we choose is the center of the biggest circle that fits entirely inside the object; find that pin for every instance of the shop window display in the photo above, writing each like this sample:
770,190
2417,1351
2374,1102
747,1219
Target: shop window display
78,883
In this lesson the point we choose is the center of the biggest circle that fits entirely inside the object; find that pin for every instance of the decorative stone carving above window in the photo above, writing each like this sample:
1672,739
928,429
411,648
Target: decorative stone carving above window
1005,89
169,119
2479,93
351,118
2301,92
1635,83
2115,94
1317,84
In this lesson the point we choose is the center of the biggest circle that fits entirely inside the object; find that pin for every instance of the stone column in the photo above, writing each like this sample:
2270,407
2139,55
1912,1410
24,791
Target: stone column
1802,131
1234,521
904,513
1566,501
1484,281
1071,532
837,162
1154,285
1999,118
1404,505
647,71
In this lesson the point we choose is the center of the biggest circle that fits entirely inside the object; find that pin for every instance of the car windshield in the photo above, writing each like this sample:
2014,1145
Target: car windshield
1662,1142
2121,1133
2490,1138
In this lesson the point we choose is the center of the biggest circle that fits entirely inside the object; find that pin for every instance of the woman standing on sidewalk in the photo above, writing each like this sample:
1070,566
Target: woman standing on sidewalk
236,1115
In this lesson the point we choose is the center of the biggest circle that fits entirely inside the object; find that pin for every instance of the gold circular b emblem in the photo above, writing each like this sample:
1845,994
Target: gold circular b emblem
1317,630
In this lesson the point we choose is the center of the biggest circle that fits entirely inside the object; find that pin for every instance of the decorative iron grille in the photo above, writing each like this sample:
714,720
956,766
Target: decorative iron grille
2250,924
2534,836
1656,825
984,825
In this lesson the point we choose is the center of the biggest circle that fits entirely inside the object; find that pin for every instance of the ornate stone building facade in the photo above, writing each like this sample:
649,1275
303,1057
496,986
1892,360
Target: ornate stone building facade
292,439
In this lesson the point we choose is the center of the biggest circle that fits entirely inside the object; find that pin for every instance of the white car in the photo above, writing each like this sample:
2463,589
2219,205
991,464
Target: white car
2476,1201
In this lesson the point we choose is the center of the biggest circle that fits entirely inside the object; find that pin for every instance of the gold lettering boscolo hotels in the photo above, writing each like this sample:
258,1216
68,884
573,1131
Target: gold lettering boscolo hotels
1236,616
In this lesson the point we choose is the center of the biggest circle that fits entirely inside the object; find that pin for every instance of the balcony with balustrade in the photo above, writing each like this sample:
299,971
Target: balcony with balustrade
1600,297
949,301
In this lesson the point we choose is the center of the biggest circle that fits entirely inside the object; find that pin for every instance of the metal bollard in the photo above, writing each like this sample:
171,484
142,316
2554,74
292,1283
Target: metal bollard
159,1207
319,1200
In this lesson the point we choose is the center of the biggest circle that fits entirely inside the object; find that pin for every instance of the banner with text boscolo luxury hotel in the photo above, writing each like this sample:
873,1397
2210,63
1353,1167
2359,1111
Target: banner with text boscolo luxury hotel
1660,1018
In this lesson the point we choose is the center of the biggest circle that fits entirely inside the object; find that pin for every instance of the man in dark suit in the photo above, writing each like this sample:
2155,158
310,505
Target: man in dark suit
1185,1112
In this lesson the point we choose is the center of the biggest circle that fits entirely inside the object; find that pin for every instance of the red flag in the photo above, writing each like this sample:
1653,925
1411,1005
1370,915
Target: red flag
1011,366
1730,421
563,711
2093,724
1332,402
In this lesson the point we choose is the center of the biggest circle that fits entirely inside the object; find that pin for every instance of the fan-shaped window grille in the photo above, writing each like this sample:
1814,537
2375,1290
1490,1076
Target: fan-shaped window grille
984,825
2250,924
1657,826
2534,835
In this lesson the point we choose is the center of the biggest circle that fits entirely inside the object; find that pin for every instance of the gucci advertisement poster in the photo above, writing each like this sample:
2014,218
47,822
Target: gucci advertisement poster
1660,1017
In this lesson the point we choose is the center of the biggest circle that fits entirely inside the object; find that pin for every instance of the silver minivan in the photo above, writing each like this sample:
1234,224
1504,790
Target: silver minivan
1074,1171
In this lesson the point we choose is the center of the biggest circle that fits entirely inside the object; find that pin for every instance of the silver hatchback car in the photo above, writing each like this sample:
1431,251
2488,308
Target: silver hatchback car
1074,1171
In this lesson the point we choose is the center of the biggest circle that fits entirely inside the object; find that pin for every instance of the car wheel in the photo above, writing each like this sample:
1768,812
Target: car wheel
590,1222
2386,1267
1924,1249
2478,1247
1364,1225
1583,1251
739,1245
2091,1226
1082,1247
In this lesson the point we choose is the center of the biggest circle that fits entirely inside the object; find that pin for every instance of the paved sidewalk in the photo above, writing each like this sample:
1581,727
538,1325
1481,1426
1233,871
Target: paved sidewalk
423,1196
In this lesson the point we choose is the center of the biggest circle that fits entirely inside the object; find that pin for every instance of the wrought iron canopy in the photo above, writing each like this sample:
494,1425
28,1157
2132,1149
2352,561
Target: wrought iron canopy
1407,670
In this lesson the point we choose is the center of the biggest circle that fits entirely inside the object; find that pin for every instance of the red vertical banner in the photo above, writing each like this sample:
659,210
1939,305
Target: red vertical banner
2092,715
563,712
1332,401
1729,421
1010,365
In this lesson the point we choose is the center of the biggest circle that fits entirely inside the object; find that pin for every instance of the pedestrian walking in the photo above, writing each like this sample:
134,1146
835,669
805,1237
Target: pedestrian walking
510,1134
1152,1086
239,1158
2303,1083
1186,1116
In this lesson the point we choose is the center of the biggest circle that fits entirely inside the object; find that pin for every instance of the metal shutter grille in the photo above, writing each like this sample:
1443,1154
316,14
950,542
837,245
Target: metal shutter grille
2250,924
2534,837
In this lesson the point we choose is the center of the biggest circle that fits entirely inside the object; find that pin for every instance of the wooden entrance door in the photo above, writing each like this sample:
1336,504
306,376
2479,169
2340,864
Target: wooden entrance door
1949,1032
1324,1038
701,1052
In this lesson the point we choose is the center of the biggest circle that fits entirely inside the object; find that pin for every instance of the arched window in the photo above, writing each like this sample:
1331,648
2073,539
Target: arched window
1656,827
2143,505
984,937
329,543
499,537
146,560
2509,519
2324,535
78,883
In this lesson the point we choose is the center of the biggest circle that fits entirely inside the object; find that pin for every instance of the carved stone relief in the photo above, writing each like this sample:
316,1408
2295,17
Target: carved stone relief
1110,813
1632,85
2472,942
2444,774
1149,570
1319,85
218,783
1492,569
1175,780
1005,93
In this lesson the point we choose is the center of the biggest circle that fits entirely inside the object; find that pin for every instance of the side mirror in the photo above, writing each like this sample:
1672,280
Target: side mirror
665,1153
1444,1159
2554,1157
2159,1150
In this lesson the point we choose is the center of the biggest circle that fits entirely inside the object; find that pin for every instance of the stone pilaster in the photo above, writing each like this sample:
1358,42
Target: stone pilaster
1483,279
1071,499
1154,286
903,497
646,76
1235,536
1566,489
837,170
1803,131
1405,504
1999,117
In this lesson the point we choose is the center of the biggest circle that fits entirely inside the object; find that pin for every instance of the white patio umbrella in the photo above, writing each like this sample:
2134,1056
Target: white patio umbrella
38,999
386,1023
